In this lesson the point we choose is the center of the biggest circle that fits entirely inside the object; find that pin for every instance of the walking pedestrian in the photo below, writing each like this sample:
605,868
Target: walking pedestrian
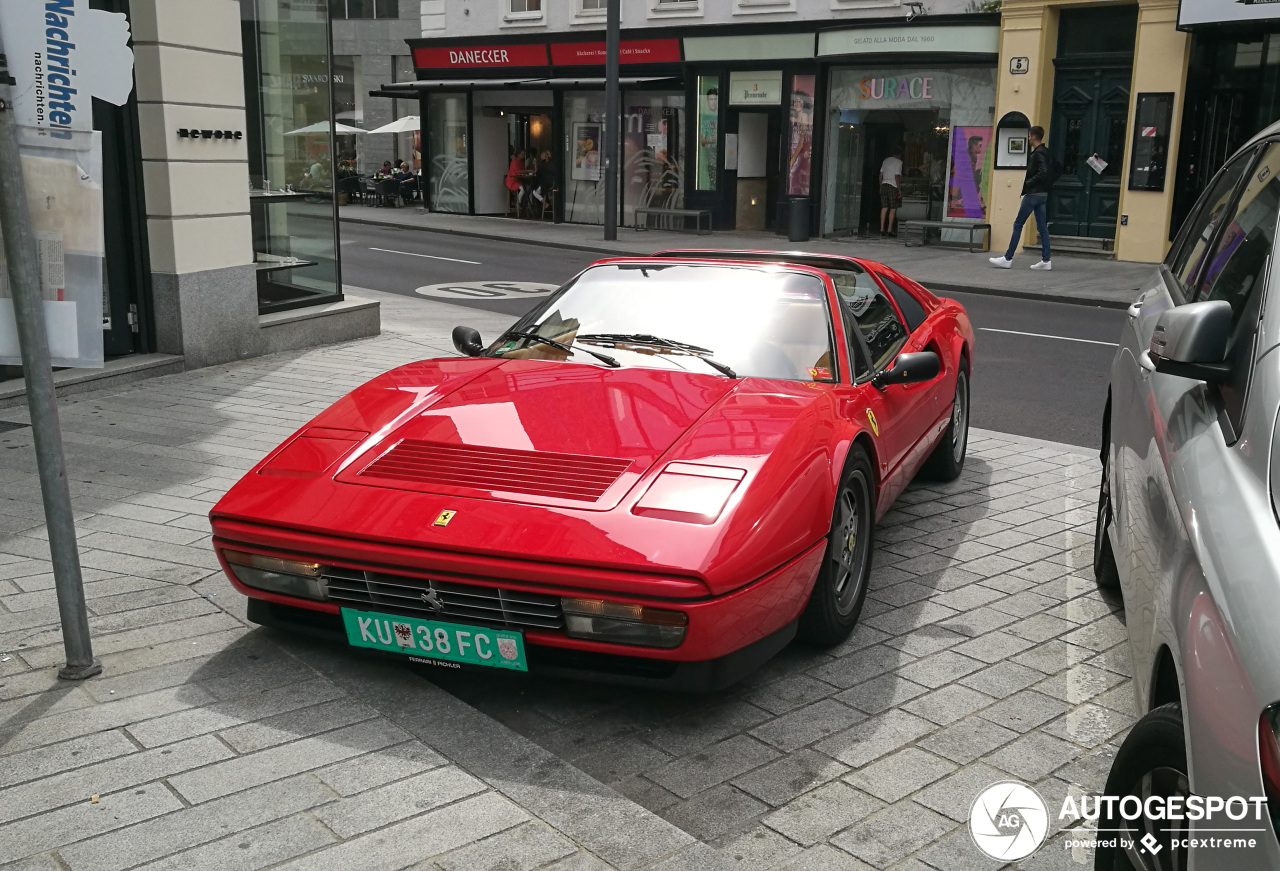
1035,193
890,191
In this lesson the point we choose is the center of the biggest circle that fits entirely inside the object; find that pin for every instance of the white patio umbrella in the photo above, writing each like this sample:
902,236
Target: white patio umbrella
407,124
323,127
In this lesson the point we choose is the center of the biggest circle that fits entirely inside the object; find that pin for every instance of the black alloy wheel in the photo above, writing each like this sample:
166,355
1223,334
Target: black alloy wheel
841,587
947,460
1152,761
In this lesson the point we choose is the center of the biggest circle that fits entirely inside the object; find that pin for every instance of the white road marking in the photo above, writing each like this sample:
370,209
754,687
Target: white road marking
428,256
1046,336
487,290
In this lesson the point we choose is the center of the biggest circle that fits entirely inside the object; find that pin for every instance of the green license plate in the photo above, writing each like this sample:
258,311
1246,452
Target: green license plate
433,640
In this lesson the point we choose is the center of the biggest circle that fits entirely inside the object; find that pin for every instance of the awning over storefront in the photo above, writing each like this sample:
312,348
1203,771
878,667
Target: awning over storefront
411,90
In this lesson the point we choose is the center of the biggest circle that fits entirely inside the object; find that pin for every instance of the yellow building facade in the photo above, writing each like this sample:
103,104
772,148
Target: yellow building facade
1050,73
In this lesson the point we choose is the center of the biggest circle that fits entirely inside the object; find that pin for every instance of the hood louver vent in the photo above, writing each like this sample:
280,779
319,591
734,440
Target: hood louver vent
564,476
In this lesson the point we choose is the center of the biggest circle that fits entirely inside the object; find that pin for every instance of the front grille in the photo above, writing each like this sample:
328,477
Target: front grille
466,603
564,476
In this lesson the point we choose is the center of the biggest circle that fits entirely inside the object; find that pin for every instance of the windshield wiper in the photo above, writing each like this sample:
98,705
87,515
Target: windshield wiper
702,354
543,340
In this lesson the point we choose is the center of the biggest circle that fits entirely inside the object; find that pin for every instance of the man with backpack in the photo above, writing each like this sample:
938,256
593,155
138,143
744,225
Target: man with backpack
1042,172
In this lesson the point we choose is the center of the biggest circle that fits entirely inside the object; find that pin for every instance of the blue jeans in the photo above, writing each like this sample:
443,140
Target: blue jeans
1031,203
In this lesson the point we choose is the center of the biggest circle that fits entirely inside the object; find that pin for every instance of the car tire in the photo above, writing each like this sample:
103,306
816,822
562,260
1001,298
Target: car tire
1151,761
947,460
841,588
1105,571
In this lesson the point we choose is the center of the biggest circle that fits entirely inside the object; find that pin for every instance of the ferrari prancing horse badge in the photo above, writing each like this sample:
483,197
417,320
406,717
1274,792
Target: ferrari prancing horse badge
444,518
871,419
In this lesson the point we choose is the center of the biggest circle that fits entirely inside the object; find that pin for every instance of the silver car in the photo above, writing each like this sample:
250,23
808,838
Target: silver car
1187,529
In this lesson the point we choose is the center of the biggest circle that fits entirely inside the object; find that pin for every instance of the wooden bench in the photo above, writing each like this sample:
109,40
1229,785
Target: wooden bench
925,226
673,213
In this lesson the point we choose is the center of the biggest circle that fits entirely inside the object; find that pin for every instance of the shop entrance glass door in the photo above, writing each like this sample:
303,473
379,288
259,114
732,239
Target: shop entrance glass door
860,142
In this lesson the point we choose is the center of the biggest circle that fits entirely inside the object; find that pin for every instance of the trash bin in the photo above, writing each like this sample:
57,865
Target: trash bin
798,209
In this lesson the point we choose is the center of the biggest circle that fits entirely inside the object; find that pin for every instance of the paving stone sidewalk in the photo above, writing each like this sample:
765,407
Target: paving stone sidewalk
1086,280
985,653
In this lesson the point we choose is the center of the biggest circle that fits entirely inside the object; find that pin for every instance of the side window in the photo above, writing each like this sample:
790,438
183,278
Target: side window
1236,271
1197,236
862,300
910,307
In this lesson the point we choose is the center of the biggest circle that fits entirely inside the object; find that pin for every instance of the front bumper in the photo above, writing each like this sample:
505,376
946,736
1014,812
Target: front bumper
727,635
706,675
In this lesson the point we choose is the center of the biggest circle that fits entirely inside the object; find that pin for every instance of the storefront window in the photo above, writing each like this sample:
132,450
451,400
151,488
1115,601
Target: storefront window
448,173
289,118
652,152
708,132
942,119
584,161
652,172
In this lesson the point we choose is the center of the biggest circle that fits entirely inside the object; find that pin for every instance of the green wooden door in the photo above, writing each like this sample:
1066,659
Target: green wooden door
1090,117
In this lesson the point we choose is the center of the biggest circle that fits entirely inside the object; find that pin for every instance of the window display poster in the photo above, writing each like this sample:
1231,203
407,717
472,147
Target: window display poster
970,169
708,131
586,151
800,164
64,201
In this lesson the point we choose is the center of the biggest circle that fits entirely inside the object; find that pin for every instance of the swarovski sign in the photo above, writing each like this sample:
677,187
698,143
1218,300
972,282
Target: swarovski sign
61,55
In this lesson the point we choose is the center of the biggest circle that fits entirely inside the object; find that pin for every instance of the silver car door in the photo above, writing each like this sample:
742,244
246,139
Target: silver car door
1143,405
1227,549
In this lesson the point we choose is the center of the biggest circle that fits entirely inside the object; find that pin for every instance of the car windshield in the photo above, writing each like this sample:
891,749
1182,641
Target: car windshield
731,321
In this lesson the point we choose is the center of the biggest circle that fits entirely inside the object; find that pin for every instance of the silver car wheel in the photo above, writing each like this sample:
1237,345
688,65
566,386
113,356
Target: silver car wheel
1168,856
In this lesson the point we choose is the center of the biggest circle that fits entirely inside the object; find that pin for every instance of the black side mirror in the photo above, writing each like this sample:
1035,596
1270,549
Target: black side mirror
1191,341
909,369
467,341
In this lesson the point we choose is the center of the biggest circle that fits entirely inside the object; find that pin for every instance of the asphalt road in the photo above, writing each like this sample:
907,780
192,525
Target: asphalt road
1040,368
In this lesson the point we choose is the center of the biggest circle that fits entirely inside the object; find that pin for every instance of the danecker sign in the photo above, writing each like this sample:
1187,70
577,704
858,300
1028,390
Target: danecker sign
480,56
630,51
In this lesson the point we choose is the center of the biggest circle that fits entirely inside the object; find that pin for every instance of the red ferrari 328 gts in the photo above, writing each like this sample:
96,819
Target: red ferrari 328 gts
660,476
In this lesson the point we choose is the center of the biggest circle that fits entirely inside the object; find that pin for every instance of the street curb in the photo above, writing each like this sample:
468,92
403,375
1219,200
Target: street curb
494,237
1096,302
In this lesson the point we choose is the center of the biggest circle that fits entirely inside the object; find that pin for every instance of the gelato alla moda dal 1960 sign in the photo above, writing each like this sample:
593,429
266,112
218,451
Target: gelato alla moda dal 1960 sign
61,55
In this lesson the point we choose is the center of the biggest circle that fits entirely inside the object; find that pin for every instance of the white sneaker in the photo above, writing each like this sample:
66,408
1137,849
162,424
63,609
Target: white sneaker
1046,265
1000,262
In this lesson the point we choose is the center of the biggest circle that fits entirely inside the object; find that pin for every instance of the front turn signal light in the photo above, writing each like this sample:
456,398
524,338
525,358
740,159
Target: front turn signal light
287,577
623,623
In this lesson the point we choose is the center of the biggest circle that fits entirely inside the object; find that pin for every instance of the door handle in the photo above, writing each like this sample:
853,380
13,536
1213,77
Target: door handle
1135,309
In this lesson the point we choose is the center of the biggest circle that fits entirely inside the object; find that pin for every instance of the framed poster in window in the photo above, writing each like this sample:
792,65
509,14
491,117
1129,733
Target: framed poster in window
1149,157
586,152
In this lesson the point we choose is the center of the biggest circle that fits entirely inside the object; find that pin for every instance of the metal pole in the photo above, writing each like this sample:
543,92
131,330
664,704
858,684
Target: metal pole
612,121
24,282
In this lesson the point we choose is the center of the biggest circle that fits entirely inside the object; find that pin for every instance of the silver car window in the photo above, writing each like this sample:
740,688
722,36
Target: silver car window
1198,235
1236,271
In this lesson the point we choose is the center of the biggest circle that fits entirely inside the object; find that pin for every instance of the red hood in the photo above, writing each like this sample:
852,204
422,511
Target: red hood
538,432
557,422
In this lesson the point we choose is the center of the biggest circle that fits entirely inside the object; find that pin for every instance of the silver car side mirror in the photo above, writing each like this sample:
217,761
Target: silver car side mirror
1191,341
